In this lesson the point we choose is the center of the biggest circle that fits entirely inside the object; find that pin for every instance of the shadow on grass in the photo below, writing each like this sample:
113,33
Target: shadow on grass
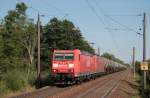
48,81
44,81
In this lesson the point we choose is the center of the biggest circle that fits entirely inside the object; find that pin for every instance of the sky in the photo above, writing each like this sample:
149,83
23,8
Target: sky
110,24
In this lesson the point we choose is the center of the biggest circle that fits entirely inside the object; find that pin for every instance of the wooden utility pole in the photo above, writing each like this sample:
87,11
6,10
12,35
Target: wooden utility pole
38,63
133,61
144,46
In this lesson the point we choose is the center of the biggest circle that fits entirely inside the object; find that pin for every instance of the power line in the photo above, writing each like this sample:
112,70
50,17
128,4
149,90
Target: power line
112,19
109,17
56,8
34,9
124,15
94,11
115,29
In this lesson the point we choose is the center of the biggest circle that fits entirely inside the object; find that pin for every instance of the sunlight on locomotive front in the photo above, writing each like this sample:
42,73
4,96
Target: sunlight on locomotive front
63,62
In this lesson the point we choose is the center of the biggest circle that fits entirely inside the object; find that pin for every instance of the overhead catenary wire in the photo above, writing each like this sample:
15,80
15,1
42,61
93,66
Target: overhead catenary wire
95,12
134,15
64,14
100,19
114,20
56,8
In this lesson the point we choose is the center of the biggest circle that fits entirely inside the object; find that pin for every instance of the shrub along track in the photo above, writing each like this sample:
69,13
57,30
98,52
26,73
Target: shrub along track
98,88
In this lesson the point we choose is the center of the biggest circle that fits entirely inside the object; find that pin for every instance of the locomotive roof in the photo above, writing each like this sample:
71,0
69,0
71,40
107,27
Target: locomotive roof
63,50
90,54
87,53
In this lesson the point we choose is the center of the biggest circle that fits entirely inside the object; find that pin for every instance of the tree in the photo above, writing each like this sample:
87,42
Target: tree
19,39
28,39
137,67
109,56
62,34
112,57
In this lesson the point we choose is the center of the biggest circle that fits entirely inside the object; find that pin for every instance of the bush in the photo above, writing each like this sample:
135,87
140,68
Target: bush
3,88
32,77
15,80
145,93
47,80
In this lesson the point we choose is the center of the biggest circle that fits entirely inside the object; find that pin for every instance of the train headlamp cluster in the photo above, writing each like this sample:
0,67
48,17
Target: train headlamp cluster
55,65
71,65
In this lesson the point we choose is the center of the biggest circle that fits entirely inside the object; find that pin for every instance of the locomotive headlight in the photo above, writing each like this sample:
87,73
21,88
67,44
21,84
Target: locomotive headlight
71,65
55,65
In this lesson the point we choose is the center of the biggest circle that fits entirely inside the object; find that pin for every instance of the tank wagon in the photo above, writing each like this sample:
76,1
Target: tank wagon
74,66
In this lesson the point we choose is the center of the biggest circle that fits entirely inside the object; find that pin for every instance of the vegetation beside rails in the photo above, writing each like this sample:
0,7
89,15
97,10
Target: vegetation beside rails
15,80
145,93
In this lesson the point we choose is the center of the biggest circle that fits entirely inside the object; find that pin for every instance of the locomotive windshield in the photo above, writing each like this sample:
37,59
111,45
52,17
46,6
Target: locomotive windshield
59,56
69,56
63,56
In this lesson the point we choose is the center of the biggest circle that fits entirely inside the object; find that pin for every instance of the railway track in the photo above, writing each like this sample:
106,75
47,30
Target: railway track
99,88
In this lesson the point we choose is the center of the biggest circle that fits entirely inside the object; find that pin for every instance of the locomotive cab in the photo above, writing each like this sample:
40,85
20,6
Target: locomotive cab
63,62
63,66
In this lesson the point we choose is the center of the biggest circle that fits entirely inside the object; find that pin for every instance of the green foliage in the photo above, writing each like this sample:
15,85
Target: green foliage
17,50
3,88
112,57
145,93
47,80
32,77
1,46
21,7
137,67
61,34
15,80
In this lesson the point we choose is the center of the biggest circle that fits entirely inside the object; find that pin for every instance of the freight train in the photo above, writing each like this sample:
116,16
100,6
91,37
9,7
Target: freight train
74,66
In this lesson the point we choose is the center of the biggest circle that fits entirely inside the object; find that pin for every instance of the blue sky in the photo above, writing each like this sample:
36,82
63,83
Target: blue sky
94,18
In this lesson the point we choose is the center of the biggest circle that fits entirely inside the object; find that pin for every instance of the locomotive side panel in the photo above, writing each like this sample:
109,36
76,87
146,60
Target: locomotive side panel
100,65
85,64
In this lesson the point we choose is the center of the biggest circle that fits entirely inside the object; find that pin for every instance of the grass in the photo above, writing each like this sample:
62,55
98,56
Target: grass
137,84
144,93
15,81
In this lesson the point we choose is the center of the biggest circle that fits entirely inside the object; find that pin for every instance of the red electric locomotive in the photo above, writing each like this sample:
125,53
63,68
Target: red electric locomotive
70,66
